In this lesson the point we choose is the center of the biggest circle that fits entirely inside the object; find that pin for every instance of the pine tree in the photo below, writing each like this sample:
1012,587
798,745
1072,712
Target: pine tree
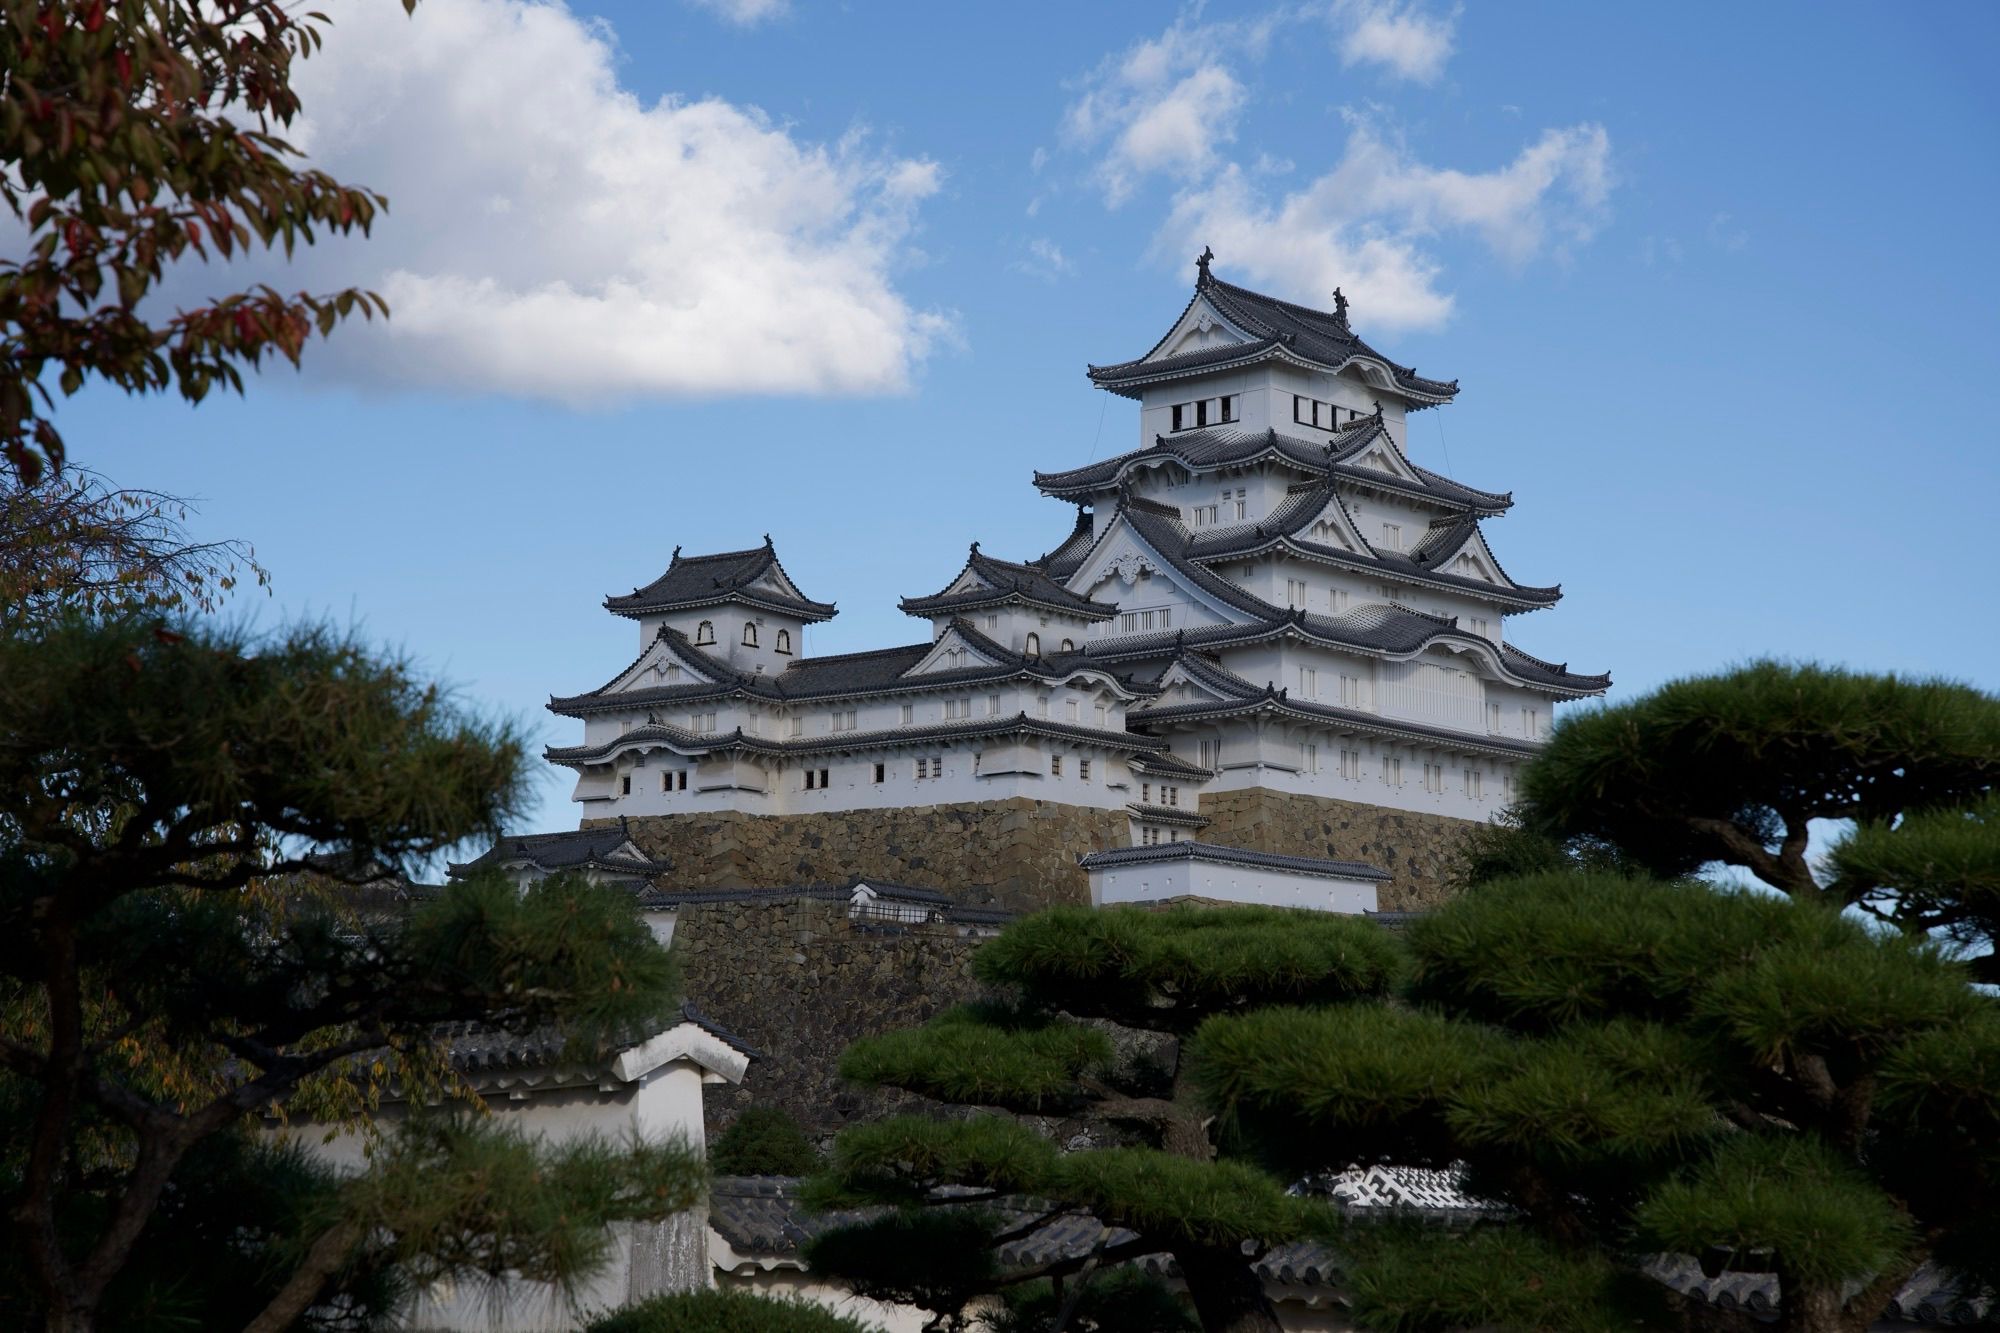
1640,1065
1637,1068
171,967
1074,988
1736,768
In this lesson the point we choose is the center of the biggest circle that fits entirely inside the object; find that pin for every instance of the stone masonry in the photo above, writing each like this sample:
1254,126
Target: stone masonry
798,980
1021,853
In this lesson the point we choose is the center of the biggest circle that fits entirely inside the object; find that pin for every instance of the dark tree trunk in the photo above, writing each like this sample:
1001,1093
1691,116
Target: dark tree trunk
1228,1295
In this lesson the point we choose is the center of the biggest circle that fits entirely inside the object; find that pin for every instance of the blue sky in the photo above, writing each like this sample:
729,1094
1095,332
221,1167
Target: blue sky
1718,283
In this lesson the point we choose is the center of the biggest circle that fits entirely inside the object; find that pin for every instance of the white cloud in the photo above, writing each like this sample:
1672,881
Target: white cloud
1043,259
1725,234
1164,107
1395,34
744,13
549,235
1366,224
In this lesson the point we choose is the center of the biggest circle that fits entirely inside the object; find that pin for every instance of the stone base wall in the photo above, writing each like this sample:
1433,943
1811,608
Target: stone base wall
797,980
1017,853
1418,850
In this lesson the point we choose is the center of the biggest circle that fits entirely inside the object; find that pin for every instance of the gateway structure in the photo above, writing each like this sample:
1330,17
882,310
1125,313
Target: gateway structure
1266,593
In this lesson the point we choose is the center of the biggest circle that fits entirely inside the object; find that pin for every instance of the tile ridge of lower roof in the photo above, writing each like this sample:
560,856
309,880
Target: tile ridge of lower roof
865,652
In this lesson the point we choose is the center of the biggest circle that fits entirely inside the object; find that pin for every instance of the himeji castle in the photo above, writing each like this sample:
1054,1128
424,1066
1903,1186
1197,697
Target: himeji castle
1267,592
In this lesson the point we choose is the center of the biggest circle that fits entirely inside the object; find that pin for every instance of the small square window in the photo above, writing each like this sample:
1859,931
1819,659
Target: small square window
625,785
881,772
1055,765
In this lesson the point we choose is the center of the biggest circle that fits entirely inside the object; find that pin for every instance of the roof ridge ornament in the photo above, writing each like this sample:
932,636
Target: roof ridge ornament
1340,309
1201,263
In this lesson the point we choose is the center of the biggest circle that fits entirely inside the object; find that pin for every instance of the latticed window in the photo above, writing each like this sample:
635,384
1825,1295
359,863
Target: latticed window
705,632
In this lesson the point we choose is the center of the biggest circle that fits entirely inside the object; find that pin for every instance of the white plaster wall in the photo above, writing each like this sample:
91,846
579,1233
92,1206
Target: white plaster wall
665,1105
1261,885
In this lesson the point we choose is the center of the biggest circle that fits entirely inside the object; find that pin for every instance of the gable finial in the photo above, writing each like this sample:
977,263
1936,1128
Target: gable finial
767,539
1378,407
677,555
975,548
1340,307
1202,264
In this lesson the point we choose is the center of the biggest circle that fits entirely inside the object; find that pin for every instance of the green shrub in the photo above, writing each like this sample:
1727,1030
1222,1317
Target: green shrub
763,1141
725,1312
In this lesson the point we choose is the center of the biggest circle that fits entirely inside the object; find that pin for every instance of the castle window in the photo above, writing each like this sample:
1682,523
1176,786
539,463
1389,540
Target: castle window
1531,723
992,705
1308,682
1392,536
1473,784
625,785
957,708
844,720
1299,409
1041,705
1072,710
1178,410
705,632
909,714
1145,793
1148,835
1493,719
1083,769
1170,795
1392,772
1350,763
881,772
1055,765
1069,645
1242,508
784,641
816,779
749,634
1229,407
1210,753
1434,778
1201,413
701,723
1034,644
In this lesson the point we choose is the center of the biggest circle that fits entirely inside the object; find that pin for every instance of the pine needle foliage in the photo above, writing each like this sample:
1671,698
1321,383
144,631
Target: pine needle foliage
1735,768
725,1311
1122,1300
1089,1014
186,818
763,1141
1632,1067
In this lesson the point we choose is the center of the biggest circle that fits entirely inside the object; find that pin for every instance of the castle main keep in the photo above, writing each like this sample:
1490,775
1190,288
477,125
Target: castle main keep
1266,628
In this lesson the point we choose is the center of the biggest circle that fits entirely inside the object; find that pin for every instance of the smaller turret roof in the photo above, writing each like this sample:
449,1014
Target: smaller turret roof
754,577
608,849
1005,581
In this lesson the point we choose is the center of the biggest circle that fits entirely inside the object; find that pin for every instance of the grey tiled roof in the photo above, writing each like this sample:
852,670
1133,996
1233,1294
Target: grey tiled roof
1168,814
1007,582
1167,764
574,849
1929,1297
690,1014
1318,336
1063,560
1166,533
1277,702
1208,851
846,675
1212,447
692,742
705,580
761,1217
